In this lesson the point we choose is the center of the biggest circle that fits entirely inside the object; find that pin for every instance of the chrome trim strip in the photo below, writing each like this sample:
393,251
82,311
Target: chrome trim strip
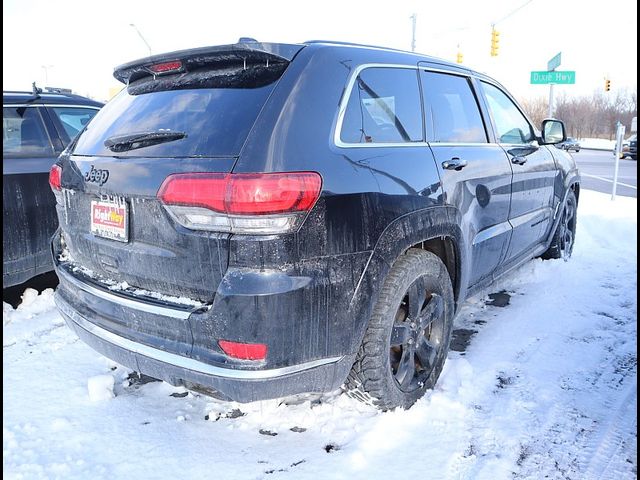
341,144
343,109
125,302
347,93
427,68
530,216
463,144
11,105
491,232
180,361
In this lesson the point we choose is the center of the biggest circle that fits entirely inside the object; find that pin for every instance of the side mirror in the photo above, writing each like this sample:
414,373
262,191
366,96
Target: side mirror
553,132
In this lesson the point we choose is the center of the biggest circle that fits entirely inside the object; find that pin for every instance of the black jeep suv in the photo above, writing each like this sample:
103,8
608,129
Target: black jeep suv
36,127
269,219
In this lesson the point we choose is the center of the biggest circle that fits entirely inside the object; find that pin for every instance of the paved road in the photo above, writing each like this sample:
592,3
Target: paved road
596,168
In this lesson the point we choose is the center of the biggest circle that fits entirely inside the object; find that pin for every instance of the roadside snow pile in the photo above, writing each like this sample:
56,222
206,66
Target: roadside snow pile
32,304
597,143
541,382
36,312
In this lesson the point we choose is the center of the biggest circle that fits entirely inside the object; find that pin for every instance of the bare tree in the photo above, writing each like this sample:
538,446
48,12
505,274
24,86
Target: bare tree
536,108
588,116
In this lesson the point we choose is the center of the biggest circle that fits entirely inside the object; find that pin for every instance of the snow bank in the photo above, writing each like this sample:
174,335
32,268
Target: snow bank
597,143
544,387
32,305
35,315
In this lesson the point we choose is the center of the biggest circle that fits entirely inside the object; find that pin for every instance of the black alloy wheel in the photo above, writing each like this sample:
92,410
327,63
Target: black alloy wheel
416,336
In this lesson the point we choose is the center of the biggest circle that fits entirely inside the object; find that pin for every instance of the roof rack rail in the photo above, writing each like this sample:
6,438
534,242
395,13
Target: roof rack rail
58,90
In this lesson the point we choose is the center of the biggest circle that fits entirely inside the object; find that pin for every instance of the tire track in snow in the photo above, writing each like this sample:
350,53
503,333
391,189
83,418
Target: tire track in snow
602,456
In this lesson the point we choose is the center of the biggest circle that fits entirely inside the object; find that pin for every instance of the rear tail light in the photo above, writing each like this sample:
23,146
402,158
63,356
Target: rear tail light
55,177
244,351
261,203
55,182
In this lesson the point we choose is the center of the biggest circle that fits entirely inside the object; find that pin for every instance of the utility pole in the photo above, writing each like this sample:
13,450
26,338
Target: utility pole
413,18
140,35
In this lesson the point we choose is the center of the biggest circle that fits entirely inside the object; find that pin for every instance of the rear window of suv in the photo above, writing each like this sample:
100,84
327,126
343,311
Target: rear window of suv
215,121
383,107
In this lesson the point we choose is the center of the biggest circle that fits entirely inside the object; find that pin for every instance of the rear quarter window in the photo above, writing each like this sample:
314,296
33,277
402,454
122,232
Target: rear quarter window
383,107
23,133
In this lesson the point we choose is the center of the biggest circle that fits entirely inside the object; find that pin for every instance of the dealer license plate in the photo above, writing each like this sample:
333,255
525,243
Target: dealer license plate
110,219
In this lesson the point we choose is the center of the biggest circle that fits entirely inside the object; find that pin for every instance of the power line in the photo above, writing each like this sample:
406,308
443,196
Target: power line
513,12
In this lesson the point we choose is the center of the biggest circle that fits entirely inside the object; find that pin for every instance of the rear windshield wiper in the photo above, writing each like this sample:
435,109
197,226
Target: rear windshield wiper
123,143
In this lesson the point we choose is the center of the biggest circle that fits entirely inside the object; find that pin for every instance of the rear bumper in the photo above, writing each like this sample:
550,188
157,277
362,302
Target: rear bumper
242,385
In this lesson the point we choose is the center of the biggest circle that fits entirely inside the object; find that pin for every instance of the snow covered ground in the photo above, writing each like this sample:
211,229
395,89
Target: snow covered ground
544,387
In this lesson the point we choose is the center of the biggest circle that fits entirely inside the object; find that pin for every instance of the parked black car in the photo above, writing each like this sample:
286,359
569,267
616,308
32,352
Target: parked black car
268,219
630,147
36,127
571,144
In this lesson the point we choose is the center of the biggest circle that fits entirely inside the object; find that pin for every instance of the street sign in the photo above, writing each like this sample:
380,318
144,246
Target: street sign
554,62
539,78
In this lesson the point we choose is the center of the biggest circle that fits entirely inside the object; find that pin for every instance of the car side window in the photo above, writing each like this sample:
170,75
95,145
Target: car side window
23,133
511,125
383,107
72,120
451,109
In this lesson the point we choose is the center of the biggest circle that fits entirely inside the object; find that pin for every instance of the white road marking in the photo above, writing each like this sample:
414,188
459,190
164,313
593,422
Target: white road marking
609,180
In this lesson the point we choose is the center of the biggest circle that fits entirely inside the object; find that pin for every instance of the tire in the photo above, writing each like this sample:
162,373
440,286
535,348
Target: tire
565,235
399,359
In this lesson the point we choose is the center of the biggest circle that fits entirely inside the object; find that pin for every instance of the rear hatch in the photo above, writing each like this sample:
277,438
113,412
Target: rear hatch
180,113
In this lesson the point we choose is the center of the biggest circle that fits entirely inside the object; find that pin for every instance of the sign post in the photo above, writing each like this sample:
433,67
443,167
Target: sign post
619,139
551,66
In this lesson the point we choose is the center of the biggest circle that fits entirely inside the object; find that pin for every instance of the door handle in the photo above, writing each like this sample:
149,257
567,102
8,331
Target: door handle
454,164
518,160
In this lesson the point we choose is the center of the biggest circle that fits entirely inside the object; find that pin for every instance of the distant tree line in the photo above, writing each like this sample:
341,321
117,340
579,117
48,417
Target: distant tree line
594,116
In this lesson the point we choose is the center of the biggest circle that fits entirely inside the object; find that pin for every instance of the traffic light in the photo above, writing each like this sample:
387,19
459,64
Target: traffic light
459,57
495,42
607,85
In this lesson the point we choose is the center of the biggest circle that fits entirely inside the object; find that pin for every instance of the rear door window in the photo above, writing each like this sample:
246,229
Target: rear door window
384,107
23,133
451,109
215,121
71,120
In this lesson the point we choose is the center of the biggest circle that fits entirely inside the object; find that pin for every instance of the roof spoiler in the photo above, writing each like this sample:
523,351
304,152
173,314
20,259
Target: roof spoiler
246,52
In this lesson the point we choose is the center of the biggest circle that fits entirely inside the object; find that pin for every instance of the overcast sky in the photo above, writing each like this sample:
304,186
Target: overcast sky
80,42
